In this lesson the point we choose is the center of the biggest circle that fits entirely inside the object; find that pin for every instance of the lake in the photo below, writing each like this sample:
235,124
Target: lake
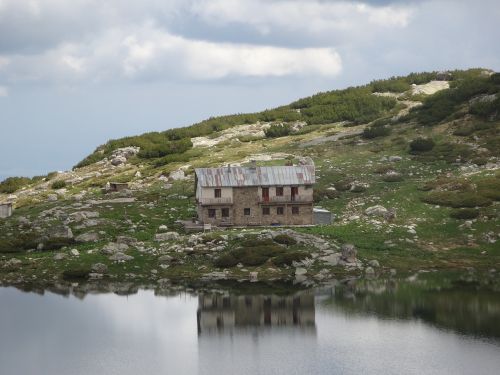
349,327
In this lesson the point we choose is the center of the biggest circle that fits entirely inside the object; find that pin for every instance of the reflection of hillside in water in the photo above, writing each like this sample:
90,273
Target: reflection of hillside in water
466,309
222,313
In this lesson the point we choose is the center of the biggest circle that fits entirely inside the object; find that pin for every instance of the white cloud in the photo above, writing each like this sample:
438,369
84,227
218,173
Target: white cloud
148,52
4,91
310,16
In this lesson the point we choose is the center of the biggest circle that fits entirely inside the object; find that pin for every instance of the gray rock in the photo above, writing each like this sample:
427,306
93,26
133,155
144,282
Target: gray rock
300,271
165,259
87,237
74,252
253,276
99,268
113,248
118,160
349,253
376,211
177,175
369,271
162,228
168,236
331,260
127,240
13,263
52,197
60,232
374,263
60,256
395,158
120,257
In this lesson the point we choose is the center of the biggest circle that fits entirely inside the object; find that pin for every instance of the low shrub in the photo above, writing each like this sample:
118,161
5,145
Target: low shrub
285,239
343,185
21,243
392,177
76,274
489,188
464,213
383,169
479,160
59,184
253,260
57,243
421,145
277,130
12,184
371,132
289,257
225,261
321,193
456,199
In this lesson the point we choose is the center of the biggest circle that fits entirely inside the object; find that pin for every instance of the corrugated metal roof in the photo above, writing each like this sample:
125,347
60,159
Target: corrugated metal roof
258,176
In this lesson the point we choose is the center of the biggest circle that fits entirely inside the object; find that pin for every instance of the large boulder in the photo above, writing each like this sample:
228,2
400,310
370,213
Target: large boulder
376,211
349,253
177,175
60,231
99,268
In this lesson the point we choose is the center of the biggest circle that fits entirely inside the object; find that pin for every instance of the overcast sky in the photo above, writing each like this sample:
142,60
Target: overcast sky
75,73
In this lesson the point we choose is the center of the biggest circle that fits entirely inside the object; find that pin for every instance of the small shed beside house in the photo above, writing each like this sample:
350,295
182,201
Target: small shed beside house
5,210
322,216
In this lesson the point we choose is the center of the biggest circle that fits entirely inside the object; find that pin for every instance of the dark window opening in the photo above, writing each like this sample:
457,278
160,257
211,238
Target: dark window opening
279,191
280,210
266,211
246,211
211,212
295,210
265,194
217,193
225,212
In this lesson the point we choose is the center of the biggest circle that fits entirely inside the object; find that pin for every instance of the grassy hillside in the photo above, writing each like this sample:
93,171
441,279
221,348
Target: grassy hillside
430,160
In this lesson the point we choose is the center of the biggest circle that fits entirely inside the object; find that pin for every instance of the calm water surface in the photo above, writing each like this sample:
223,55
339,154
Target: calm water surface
370,328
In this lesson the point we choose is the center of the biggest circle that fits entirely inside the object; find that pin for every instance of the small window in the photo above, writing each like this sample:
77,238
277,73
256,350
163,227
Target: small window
266,210
295,210
246,211
225,212
279,191
217,193
211,212
280,210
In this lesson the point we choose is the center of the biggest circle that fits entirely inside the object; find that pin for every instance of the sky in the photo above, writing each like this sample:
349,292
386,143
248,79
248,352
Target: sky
76,73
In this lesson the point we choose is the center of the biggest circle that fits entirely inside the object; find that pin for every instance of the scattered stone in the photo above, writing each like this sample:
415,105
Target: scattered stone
113,248
162,228
393,272
87,237
349,253
253,276
331,260
60,256
369,271
60,232
74,252
52,197
177,175
165,259
99,268
376,211
374,263
120,257
13,263
395,158
168,236
300,271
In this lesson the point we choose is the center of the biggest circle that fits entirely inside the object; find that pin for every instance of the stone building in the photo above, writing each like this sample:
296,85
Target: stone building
280,195
5,210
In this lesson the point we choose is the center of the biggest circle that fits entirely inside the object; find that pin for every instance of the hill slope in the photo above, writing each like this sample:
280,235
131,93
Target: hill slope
409,165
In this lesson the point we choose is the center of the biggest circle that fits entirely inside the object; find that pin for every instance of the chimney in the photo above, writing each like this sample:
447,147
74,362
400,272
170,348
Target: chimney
253,164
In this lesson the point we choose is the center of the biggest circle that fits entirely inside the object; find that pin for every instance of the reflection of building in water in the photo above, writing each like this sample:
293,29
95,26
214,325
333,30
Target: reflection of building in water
219,313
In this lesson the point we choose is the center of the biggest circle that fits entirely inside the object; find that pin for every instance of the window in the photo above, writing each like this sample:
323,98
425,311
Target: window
295,210
225,212
246,211
211,212
279,191
217,193
280,210
266,210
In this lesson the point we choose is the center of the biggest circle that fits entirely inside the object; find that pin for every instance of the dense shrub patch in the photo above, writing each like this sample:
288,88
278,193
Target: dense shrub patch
464,213
76,274
12,184
277,130
456,199
59,184
285,239
289,257
421,145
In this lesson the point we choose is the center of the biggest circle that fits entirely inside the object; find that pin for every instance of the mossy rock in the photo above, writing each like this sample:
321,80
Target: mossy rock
289,257
285,239
456,199
464,213
76,274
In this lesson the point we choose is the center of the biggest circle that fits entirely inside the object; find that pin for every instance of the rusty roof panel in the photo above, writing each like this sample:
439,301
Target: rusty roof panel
258,176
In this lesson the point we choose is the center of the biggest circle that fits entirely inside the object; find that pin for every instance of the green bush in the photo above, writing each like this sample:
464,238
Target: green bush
57,243
489,188
343,185
392,177
371,132
59,184
76,274
277,130
285,239
464,213
421,145
252,260
456,199
12,184
322,193
22,242
226,261
289,257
